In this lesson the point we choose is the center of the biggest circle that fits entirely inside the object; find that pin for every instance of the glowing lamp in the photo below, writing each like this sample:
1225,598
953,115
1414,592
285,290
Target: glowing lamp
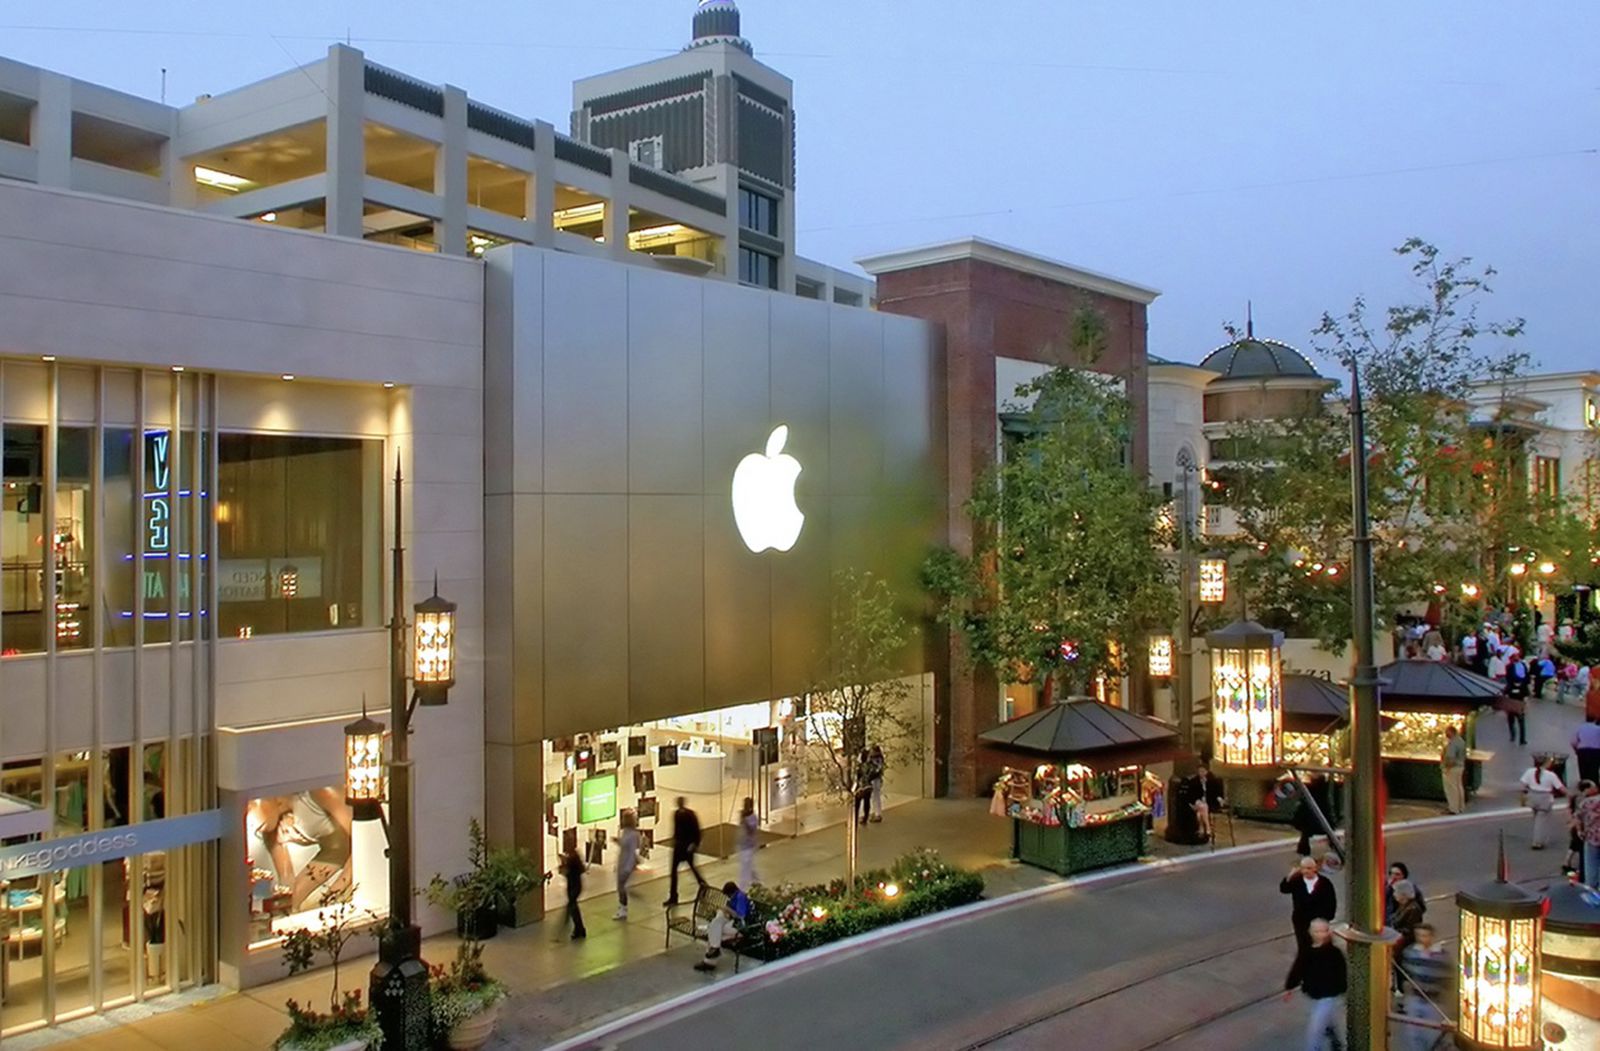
1246,695
1500,965
1213,579
1547,568
818,912
364,781
1518,568
434,662
891,890
1161,655
289,582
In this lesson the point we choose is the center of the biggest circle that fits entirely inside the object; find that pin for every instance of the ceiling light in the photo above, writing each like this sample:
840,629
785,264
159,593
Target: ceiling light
177,368
269,217
223,181
388,386
287,376
47,357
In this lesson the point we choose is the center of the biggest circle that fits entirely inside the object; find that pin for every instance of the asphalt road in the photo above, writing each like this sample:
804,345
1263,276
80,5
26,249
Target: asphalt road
1184,957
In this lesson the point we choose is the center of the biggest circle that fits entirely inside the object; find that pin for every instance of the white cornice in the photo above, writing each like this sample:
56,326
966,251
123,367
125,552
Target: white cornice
1012,259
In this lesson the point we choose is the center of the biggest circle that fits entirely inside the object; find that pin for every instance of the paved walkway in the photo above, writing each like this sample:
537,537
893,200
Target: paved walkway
561,987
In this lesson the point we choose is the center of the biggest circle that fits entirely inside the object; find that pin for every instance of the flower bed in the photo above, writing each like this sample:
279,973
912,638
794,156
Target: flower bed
792,919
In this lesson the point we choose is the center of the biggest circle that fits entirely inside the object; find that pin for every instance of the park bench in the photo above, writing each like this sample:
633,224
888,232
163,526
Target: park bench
695,923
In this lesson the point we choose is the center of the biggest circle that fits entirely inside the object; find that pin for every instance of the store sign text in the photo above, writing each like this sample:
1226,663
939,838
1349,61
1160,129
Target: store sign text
30,859
158,511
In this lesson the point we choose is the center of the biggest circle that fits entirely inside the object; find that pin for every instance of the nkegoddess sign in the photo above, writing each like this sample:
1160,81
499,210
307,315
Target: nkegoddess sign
30,859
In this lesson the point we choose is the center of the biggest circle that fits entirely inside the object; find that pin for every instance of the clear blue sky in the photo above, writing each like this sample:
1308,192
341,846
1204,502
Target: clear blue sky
1220,151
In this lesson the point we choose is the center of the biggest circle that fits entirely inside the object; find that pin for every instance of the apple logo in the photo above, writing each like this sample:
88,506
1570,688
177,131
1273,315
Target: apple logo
763,496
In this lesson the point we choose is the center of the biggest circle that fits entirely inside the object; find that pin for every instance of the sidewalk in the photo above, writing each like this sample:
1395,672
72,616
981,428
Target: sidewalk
561,987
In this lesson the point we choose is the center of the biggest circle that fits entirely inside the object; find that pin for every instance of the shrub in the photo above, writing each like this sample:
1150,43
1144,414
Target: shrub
462,990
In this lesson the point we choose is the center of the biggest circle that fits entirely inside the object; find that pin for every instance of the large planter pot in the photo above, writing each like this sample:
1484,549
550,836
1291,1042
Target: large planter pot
474,1032
348,1045
480,925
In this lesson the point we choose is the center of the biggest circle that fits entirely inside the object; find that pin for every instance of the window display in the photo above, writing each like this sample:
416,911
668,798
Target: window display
302,853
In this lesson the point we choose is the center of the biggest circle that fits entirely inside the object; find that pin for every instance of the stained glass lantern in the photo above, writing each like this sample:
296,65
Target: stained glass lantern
434,662
1213,580
1499,980
364,781
1161,655
1246,695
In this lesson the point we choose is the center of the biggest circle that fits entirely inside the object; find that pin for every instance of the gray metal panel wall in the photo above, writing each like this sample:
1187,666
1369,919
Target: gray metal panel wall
680,123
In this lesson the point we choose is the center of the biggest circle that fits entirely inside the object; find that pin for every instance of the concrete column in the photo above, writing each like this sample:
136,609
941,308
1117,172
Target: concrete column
542,187
450,175
616,226
51,130
347,152
727,184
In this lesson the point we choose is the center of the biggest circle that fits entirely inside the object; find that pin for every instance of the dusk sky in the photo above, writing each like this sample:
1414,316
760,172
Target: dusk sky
1219,152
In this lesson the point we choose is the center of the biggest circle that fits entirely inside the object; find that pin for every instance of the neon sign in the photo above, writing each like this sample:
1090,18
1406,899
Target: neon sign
158,510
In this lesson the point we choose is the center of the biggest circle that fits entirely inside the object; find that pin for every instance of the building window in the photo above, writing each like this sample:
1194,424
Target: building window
648,152
298,533
846,298
758,268
758,212
304,853
807,289
1547,477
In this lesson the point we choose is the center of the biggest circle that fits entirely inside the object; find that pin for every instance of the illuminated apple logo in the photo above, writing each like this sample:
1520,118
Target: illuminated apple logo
763,496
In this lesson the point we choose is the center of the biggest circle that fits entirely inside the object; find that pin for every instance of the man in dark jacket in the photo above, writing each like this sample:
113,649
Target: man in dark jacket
685,841
1319,971
1314,899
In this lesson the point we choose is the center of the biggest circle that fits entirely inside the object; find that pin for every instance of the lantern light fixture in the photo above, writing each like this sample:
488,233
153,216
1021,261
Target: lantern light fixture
1246,695
1547,568
434,658
1161,656
1499,979
1518,568
1213,580
364,780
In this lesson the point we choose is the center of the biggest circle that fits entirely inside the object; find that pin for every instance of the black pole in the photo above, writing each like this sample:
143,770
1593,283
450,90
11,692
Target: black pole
1368,1004
399,987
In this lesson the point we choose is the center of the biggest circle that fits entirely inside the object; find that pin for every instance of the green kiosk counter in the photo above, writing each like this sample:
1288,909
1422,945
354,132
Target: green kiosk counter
1420,698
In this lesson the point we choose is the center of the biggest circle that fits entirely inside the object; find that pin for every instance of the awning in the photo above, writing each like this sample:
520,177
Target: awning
1088,732
1434,686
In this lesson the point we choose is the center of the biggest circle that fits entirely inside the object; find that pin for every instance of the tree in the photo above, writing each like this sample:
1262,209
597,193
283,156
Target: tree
1066,578
863,698
1452,501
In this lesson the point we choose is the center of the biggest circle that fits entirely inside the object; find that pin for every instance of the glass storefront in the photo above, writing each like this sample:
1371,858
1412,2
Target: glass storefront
305,853
710,760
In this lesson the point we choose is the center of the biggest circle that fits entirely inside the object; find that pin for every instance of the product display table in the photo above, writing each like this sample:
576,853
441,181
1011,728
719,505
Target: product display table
1419,777
697,773
1066,850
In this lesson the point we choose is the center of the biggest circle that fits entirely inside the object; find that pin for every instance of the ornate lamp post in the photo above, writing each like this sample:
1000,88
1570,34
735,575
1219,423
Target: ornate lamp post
1499,980
399,985
1569,959
1213,580
1246,695
1161,656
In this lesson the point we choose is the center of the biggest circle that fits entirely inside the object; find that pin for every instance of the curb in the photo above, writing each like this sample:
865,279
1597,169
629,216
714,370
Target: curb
729,988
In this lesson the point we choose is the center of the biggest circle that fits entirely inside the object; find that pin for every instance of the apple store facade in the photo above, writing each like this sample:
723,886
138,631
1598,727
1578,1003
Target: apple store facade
675,470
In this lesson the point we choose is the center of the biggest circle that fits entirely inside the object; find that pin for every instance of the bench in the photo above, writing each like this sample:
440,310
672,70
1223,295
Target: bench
695,923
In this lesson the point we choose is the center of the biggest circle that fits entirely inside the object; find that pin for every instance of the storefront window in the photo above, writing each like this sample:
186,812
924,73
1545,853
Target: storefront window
22,534
74,539
304,853
297,525
121,529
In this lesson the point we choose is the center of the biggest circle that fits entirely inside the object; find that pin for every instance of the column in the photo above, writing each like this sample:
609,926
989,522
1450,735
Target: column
450,175
51,130
347,153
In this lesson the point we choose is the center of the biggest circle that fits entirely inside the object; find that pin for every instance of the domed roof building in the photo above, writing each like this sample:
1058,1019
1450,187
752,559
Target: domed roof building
1261,379
717,22
1252,358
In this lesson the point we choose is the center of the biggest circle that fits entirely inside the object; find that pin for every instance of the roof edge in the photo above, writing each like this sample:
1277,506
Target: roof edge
977,248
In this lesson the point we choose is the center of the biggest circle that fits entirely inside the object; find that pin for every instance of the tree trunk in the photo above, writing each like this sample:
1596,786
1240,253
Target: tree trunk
851,843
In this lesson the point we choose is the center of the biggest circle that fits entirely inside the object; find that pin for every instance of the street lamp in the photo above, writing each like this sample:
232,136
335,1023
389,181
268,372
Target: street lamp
1213,580
1161,656
363,767
1499,987
1569,959
1246,695
399,983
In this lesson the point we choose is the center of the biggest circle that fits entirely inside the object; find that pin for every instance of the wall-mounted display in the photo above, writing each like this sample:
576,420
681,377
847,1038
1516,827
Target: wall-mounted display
647,807
636,744
667,755
597,799
610,753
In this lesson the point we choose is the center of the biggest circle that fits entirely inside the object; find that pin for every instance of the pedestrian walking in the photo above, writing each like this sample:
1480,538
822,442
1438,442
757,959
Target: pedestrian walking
572,869
1433,647
1575,866
1399,873
1205,792
1425,974
876,765
734,909
1452,769
1320,973
1496,668
749,840
1540,787
627,858
1407,913
1586,748
1589,829
685,842
1313,898
1469,650
1544,670
863,787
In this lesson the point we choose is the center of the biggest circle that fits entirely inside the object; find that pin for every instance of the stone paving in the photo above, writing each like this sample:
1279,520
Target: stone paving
561,987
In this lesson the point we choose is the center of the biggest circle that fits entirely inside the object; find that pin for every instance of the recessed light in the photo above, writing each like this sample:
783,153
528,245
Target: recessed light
47,357
287,376
177,368
388,385
270,217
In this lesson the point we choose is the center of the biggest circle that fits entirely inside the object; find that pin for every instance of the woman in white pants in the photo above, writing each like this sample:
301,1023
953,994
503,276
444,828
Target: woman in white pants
1541,786
749,840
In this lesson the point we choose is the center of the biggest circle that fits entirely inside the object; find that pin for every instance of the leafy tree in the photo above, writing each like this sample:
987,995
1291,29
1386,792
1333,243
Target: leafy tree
1066,577
1452,503
863,699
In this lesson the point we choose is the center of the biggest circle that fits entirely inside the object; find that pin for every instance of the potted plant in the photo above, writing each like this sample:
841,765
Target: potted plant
348,1024
464,1000
485,896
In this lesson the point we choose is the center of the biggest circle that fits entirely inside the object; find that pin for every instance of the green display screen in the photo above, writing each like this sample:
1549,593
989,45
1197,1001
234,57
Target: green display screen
597,798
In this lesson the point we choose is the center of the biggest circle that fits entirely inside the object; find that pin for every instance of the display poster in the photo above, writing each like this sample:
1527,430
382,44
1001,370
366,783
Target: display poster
597,798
